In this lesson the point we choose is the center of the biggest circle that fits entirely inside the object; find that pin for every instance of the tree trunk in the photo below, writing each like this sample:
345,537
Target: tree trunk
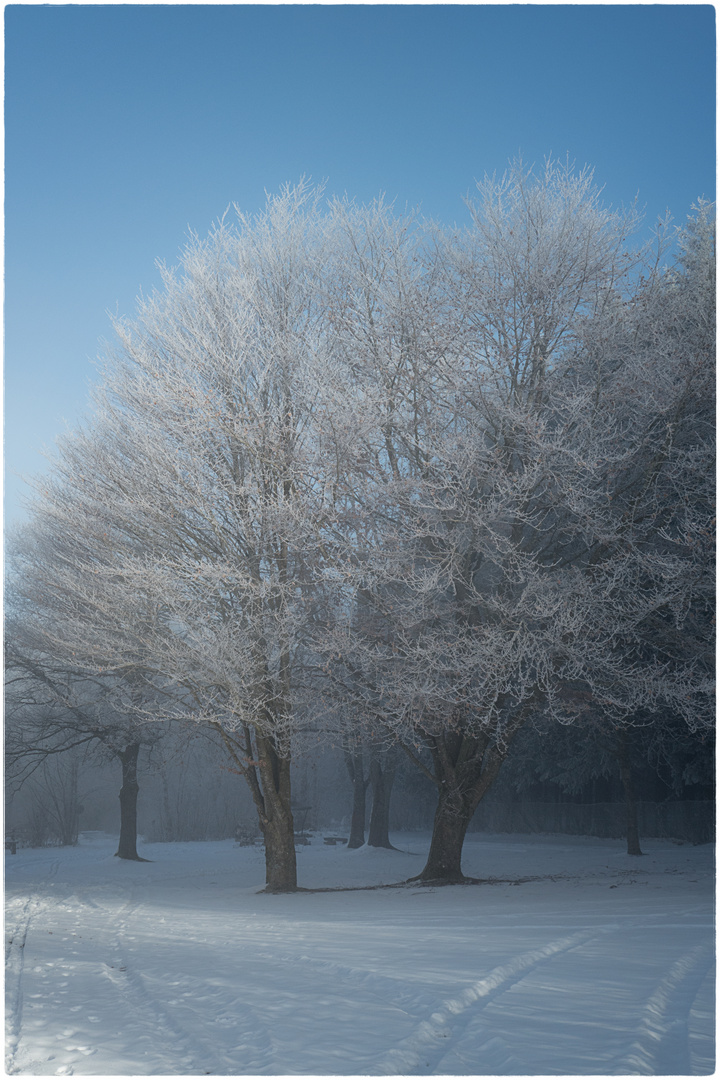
465,769
631,816
127,846
267,773
452,817
355,768
276,821
168,831
382,781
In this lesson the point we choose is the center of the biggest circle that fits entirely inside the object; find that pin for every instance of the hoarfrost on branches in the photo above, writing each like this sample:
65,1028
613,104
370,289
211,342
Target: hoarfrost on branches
352,473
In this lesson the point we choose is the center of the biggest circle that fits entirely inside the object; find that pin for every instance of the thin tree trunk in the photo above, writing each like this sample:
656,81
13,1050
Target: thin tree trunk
631,815
381,780
127,846
356,771
168,830
72,817
64,799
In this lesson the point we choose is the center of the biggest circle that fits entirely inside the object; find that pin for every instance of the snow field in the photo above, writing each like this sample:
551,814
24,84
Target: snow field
598,964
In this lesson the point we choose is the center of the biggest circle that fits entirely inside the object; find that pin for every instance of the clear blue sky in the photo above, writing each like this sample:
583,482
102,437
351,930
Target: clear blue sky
125,125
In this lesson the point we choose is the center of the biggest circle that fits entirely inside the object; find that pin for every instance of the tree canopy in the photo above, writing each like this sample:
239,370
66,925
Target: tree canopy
351,471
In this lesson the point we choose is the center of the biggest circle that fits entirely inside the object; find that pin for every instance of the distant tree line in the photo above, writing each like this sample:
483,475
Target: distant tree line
356,478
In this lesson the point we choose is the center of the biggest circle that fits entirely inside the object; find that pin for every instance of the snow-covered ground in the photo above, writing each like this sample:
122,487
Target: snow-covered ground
598,964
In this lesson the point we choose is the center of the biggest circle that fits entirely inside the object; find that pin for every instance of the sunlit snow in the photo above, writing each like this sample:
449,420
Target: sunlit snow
572,958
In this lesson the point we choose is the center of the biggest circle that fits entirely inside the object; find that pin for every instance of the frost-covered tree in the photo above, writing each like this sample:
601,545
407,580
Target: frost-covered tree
349,473
508,406
197,497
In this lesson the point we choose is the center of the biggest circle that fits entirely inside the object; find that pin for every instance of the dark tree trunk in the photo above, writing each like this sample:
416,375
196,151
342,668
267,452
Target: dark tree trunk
267,772
465,768
382,776
631,816
452,817
356,772
278,827
127,846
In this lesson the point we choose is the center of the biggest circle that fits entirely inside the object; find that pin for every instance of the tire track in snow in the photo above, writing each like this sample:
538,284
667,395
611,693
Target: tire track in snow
420,1053
662,1046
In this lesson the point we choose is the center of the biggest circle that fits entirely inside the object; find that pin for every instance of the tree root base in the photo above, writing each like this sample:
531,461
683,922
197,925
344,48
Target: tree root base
454,879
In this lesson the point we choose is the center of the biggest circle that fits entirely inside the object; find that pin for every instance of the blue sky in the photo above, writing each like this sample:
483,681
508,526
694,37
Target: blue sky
127,124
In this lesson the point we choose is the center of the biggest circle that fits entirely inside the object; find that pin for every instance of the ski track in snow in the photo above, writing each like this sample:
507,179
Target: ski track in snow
148,1018
137,1006
169,1035
16,937
157,1017
14,964
423,1052
663,1044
